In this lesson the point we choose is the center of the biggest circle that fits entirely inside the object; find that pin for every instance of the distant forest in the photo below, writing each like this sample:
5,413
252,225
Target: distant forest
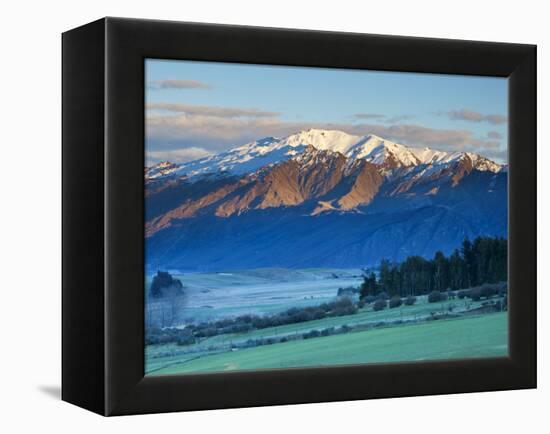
483,260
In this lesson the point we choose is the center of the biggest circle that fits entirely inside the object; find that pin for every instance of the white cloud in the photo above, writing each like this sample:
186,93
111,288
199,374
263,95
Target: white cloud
204,110
215,129
176,155
365,116
473,116
494,135
178,84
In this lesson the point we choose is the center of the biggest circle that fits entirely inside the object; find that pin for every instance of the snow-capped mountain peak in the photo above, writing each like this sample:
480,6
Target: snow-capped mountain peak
268,151
326,140
242,159
160,169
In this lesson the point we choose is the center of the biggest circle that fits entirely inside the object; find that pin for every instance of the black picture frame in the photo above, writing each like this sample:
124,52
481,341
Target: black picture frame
103,223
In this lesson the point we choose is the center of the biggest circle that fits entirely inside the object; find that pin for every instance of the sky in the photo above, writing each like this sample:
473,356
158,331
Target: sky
195,109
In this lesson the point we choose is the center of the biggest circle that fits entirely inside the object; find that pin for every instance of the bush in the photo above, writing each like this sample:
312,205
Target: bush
487,290
434,297
207,332
327,332
475,294
463,294
342,306
443,296
186,339
410,300
347,291
369,299
382,296
312,334
395,301
379,304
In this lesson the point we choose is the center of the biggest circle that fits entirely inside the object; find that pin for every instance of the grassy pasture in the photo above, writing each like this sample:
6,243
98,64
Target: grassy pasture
466,337
210,296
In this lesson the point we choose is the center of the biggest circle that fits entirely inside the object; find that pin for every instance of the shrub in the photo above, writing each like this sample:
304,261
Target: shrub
434,297
382,296
462,294
475,294
312,334
207,332
487,290
410,300
343,302
379,304
238,328
327,332
369,299
347,291
395,301
186,339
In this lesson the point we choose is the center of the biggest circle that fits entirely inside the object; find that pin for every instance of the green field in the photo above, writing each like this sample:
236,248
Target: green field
210,296
466,337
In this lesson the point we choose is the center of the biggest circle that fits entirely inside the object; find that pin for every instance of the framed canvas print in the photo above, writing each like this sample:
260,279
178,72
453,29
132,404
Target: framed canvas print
263,216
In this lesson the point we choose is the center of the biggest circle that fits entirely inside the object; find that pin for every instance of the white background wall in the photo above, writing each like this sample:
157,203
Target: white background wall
30,248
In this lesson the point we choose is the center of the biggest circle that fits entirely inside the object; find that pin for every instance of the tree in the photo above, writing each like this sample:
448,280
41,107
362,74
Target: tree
369,285
386,282
470,262
456,270
482,261
440,271
165,285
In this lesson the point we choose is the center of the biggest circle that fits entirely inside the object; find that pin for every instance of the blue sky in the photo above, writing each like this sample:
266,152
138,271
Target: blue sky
198,108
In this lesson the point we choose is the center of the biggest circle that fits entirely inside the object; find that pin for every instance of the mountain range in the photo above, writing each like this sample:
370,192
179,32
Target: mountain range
319,198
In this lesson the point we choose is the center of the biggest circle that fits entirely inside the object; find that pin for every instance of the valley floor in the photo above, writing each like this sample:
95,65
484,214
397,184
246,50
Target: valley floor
470,336
467,337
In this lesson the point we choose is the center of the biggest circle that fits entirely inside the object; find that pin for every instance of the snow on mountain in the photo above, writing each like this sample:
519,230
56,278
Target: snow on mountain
161,169
325,140
242,159
269,151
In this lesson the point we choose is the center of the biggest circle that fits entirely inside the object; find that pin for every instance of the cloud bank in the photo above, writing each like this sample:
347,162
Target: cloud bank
381,118
193,131
363,116
179,155
213,111
473,116
178,84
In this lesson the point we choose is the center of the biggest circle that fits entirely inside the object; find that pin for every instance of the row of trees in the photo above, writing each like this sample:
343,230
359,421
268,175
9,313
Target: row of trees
246,323
482,261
